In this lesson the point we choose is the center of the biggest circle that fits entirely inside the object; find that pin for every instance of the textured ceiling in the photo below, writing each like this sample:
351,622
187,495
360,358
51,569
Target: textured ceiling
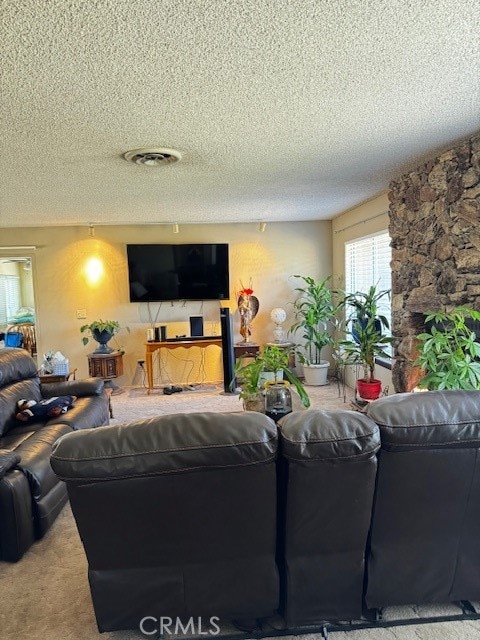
282,109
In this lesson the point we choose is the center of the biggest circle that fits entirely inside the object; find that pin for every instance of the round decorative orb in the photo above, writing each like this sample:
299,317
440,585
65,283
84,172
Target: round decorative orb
278,315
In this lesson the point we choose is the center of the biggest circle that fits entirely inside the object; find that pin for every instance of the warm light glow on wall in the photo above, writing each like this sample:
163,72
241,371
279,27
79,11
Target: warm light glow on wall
94,271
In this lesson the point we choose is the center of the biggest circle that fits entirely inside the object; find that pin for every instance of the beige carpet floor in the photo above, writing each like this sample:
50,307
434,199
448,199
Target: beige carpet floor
45,596
135,403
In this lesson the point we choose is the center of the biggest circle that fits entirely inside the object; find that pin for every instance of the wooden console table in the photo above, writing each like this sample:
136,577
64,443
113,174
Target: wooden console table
151,347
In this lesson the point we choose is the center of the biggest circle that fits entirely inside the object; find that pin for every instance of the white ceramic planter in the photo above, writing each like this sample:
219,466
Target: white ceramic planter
316,374
269,376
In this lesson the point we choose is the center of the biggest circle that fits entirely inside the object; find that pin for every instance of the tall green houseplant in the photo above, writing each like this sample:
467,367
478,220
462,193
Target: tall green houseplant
315,316
449,353
368,340
368,345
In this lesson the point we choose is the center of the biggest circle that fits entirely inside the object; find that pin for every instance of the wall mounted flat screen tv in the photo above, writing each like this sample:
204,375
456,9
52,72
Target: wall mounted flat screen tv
158,272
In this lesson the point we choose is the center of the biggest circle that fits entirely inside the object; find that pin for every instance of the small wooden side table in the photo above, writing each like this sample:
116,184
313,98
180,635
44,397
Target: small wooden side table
45,378
245,350
107,366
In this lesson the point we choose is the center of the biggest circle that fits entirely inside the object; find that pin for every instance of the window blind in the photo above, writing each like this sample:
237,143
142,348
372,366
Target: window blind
9,297
367,263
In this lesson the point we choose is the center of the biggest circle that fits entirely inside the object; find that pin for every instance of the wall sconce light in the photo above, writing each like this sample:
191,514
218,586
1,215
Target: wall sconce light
175,228
94,271
91,230
262,226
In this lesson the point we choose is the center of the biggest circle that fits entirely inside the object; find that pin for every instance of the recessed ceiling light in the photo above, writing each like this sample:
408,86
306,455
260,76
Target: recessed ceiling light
152,157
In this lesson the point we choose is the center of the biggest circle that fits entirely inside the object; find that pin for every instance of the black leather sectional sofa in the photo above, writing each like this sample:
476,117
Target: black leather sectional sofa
31,495
331,514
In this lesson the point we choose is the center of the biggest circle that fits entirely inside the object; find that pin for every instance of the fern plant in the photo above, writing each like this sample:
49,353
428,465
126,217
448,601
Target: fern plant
449,352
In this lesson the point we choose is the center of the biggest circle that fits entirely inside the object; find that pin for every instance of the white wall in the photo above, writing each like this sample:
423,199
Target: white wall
269,259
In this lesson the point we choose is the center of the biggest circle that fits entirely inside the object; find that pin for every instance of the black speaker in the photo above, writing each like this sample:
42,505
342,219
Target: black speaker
157,334
196,325
229,385
163,333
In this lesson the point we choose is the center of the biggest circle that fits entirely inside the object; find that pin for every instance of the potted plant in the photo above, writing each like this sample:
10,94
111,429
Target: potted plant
102,331
315,314
449,352
368,341
273,359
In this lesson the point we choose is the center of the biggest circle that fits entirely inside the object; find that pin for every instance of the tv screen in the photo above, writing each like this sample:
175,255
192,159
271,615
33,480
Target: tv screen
158,272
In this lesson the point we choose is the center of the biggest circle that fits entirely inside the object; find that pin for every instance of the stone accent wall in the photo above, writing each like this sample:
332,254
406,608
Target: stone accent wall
435,231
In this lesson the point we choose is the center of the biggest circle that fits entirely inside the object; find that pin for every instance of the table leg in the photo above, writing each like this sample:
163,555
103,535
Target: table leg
108,393
149,367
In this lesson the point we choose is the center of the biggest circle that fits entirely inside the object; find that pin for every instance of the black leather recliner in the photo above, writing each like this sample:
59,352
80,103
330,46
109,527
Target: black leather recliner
177,516
31,495
329,468
425,537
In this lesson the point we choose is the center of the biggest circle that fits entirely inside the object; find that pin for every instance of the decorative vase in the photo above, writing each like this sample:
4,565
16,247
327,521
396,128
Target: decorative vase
248,307
102,337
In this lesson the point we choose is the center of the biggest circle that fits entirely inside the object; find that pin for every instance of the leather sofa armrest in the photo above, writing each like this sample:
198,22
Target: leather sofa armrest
79,388
8,460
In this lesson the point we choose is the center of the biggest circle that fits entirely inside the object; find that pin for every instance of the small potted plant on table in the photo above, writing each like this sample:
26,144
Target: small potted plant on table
275,360
102,331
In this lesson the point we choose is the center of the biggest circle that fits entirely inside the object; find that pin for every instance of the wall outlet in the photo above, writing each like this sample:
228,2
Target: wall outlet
81,314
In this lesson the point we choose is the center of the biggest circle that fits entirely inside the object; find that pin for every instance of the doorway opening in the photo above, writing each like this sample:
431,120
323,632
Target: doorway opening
17,302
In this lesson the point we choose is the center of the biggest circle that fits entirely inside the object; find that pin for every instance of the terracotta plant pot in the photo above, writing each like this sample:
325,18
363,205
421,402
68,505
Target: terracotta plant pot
369,390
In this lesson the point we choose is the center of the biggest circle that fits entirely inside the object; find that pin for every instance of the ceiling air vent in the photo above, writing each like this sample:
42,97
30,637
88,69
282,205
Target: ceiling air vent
152,157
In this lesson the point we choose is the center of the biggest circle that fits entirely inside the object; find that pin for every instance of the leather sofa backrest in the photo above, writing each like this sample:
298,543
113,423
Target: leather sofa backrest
177,511
425,538
18,379
15,365
328,487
